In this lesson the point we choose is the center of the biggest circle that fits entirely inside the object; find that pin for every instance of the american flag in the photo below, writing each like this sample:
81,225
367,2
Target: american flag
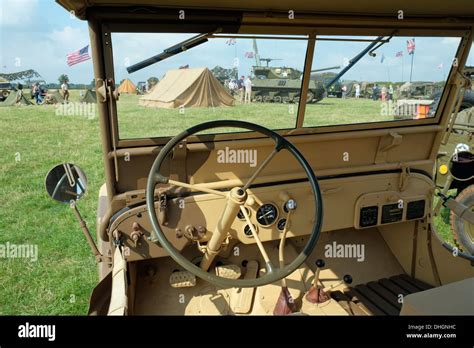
399,54
411,46
248,54
231,42
78,56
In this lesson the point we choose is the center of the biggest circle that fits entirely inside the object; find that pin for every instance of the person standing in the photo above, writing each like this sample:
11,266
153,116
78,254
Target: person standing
390,92
357,90
375,92
384,93
344,91
37,93
65,90
248,90
240,87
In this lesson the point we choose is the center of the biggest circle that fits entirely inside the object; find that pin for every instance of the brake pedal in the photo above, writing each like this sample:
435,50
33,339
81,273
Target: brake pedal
243,297
182,279
228,271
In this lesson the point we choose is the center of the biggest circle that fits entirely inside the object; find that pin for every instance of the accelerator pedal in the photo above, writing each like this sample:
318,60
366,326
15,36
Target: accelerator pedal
243,297
229,271
182,279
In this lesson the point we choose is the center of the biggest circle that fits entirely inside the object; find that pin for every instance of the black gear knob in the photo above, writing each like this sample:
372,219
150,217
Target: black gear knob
320,263
347,279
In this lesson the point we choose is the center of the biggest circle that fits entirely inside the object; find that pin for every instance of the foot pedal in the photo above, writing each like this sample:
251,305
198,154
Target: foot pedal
229,271
182,279
243,297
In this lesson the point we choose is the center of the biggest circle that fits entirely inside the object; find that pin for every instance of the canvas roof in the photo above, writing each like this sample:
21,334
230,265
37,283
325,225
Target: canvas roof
127,86
189,88
90,96
16,98
428,8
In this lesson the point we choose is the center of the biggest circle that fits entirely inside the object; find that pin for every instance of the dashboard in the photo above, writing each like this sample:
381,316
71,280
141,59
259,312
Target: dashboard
359,202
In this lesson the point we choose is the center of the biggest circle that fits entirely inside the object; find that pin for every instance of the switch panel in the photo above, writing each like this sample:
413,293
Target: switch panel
369,216
391,213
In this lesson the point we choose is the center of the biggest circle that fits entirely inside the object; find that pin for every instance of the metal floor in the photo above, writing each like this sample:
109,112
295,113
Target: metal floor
381,297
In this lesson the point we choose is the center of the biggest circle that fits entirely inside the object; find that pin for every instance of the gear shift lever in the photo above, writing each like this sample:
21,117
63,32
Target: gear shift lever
316,293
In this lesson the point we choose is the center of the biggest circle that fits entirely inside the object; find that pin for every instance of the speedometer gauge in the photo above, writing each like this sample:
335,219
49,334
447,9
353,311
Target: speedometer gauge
267,214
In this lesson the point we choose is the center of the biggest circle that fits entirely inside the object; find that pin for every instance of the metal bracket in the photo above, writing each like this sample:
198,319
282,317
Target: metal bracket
386,143
101,90
404,176
459,209
162,209
461,80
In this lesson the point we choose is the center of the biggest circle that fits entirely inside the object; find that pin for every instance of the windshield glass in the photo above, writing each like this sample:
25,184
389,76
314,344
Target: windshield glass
215,80
353,79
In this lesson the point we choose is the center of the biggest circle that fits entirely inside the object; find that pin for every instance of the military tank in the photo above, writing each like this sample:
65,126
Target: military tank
283,84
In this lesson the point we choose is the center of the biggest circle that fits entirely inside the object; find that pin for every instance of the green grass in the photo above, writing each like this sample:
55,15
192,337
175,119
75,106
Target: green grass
132,117
61,280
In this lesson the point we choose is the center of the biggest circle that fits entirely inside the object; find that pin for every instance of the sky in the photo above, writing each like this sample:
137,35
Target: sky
38,34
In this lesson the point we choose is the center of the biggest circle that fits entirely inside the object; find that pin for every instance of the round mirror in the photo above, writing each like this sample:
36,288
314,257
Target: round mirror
66,182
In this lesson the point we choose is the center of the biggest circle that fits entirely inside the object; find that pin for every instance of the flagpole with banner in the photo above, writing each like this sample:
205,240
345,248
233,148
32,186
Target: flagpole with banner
411,50
400,55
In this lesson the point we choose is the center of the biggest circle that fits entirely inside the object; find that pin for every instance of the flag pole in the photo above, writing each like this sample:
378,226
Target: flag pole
412,56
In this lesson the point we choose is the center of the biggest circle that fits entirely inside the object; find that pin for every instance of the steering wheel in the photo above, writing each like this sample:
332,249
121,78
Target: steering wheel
235,200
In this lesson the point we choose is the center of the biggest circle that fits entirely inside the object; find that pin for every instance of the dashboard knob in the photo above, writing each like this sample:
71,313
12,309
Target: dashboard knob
290,204
320,263
347,279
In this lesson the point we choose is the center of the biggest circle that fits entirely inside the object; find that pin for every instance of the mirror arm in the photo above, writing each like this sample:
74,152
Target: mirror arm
98,256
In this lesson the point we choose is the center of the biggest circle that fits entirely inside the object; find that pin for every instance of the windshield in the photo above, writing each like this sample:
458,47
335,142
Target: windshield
259,79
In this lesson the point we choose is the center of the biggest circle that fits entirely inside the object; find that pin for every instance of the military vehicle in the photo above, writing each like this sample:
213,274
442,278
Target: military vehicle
14,81
5,87
223,74
332,220
141,87
282,84
420,90
454,174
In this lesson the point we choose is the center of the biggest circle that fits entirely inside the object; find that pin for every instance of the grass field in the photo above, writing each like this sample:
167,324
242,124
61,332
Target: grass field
34,139
275,116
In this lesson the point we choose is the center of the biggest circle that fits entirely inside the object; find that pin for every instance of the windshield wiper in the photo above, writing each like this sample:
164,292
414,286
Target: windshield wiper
169,52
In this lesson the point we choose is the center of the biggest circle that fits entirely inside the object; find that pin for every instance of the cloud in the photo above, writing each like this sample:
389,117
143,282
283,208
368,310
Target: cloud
69,37
17,13
450,41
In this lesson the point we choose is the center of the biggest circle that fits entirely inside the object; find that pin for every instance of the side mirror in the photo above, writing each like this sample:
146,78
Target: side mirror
66,182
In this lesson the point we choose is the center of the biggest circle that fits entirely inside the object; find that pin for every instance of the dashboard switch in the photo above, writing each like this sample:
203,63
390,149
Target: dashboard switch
369,216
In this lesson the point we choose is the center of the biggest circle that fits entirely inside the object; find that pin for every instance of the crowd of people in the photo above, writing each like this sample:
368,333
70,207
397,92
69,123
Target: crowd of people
241,87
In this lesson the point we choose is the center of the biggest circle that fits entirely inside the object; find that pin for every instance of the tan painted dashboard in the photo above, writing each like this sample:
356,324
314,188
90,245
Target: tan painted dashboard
360,202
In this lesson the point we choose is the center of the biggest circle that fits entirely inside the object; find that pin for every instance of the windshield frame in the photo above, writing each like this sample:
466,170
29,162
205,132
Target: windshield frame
349,29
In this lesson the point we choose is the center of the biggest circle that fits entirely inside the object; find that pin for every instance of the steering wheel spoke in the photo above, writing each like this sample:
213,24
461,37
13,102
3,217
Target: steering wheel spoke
261,248
197,187
261,167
